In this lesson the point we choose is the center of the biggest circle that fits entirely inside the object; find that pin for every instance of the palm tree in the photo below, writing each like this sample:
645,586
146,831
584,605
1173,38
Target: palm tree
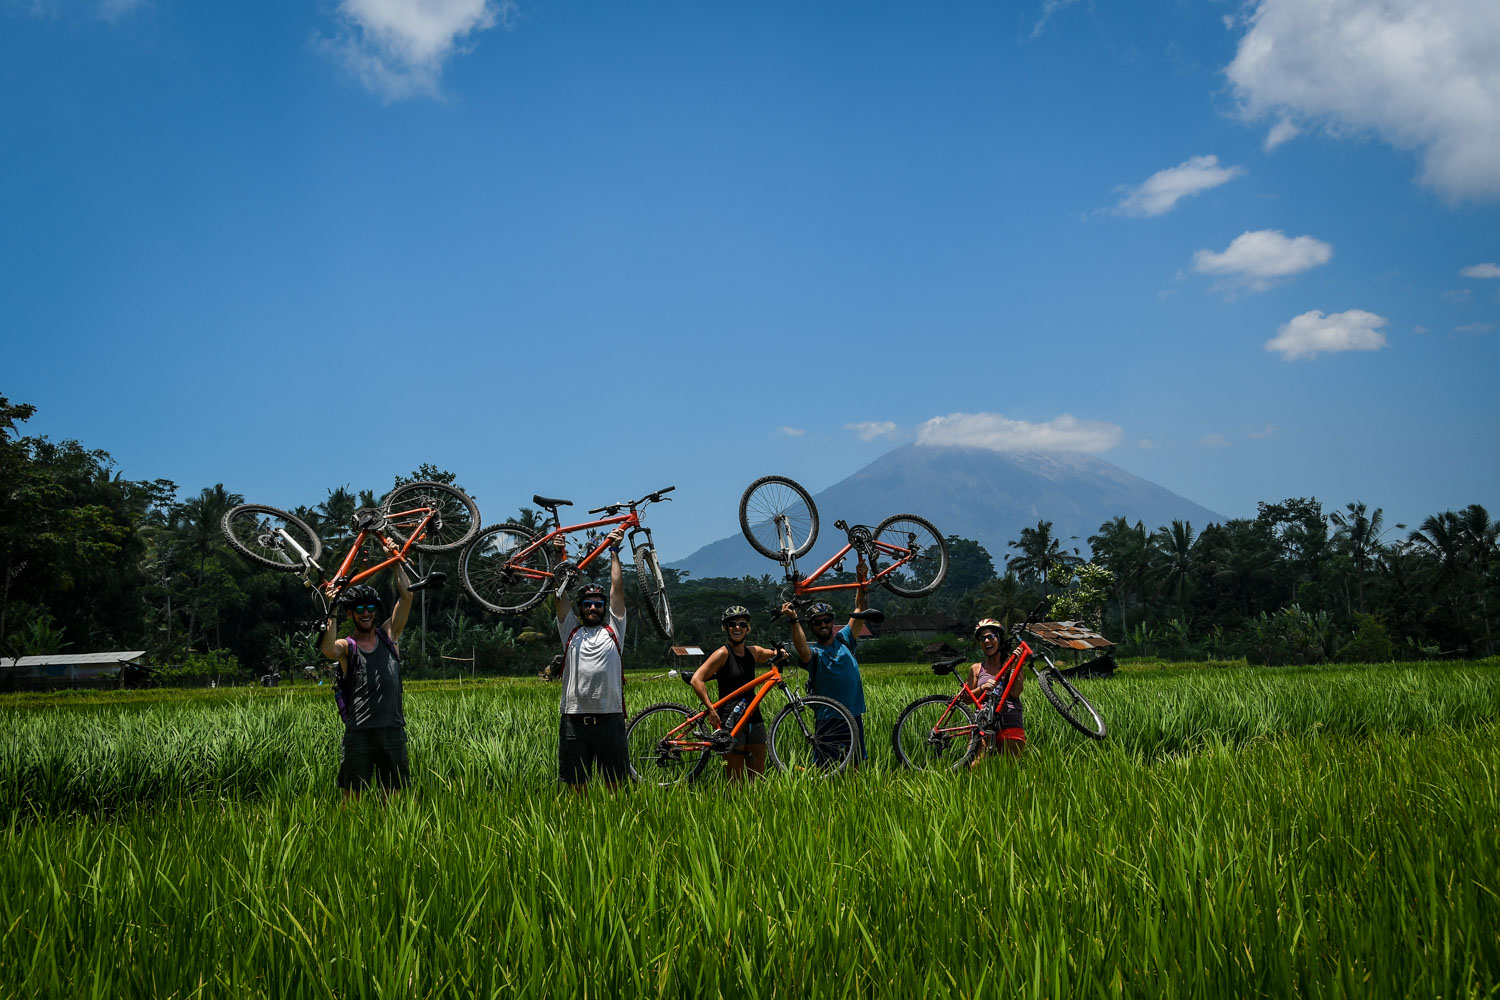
1040,554
196,523
1441,538
1481,540
336,515
1172,557
1124,550
1357,535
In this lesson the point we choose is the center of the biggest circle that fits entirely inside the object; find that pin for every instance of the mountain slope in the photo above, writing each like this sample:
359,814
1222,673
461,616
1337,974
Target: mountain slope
974,493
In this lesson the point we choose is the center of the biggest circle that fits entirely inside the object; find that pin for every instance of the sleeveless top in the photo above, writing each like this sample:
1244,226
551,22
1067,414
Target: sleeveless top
736,672
985,676
374,686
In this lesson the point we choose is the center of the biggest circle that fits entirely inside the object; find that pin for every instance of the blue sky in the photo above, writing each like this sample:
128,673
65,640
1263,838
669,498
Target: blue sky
1248,251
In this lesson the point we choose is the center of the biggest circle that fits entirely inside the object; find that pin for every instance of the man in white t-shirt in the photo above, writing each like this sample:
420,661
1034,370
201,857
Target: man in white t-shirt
592,732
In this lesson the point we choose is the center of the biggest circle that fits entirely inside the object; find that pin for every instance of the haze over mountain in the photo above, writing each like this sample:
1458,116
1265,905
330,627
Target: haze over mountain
976,493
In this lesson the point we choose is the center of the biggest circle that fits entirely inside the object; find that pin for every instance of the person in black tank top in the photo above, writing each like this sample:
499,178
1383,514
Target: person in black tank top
368,669
732,666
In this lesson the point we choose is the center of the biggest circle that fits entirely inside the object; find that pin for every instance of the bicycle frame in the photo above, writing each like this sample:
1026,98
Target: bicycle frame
630,521
342,580
803,586
1019,657
766,681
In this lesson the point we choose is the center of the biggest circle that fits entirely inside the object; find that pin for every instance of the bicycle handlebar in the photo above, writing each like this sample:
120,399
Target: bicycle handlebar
615,508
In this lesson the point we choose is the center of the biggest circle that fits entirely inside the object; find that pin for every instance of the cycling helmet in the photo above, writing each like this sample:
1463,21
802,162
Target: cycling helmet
732,612
360,594
821,608
990,624
592,590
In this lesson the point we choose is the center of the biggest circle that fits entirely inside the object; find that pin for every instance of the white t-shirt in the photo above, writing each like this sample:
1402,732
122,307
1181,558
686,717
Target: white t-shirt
592,680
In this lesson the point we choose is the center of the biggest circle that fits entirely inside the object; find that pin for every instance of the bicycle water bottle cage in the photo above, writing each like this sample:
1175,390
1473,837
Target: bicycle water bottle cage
548,503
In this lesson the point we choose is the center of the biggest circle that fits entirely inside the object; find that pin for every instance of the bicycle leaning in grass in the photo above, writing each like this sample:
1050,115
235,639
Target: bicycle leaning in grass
669,744
947,731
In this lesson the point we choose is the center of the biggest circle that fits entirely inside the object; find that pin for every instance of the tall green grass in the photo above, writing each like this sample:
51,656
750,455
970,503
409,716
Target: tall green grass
1243,832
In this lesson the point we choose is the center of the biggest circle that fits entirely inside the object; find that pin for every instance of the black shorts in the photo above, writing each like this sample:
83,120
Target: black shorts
833,739
586,742
378,754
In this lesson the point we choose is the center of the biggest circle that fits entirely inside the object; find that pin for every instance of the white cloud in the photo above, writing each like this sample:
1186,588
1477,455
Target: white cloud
1049,7
1312,333
1422,74
1283,131
1459,295
1485,270
1164,189
1257,259
1214,441
869,430
398,48
1000,433
1474,328
1260,433
794,432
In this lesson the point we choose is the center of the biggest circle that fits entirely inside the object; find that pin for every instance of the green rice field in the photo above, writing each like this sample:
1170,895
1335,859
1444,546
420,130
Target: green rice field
1242,832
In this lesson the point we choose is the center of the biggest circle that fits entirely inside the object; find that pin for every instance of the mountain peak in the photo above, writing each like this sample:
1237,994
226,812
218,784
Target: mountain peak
976,493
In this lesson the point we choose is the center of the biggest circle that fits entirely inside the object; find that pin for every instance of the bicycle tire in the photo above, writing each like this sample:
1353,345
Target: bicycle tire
251,531
920,745
772,496
649,760
925,574
654,589
491,575
454,526
1090,724
795,745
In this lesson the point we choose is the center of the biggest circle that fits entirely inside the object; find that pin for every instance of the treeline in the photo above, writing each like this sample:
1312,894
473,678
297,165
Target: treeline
93,561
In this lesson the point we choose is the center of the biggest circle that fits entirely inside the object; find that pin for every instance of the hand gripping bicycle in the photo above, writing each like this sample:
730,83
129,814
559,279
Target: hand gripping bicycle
426,516
669,744
905,553
941,731
508,568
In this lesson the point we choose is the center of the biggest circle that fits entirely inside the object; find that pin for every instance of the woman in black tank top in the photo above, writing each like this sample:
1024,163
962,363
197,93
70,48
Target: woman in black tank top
733,665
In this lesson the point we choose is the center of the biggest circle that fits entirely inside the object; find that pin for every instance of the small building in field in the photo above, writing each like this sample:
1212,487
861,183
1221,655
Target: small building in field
67,669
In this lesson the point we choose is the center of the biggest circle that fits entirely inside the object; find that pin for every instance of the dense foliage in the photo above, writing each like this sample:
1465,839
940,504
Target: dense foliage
91,560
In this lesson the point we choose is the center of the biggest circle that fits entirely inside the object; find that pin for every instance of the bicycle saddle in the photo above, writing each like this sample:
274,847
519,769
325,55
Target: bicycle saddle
550,503
946,666
432,581
870,616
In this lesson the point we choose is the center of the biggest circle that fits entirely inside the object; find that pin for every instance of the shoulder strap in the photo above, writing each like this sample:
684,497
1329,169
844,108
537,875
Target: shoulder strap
608,628
389,644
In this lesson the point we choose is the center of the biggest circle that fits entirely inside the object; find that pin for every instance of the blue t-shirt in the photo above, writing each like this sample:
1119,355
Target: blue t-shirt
834,672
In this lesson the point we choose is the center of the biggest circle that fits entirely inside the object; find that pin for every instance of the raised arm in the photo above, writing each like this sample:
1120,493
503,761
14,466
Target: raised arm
616,575
861,597
397,622
799,638
331,646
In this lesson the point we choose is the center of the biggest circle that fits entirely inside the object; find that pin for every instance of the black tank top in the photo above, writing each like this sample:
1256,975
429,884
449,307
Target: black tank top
374,688
737,671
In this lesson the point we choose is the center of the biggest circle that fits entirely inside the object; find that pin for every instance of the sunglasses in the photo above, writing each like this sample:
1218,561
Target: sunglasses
988,635
592,604
827,620
737,624
360,609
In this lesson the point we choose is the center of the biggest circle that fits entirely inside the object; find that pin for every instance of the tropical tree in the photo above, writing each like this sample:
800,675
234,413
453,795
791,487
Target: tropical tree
1040,555
1172,559
1356,535
1124,549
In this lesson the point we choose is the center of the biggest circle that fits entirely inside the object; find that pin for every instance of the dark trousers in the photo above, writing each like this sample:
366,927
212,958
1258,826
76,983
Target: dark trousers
587,742
374,756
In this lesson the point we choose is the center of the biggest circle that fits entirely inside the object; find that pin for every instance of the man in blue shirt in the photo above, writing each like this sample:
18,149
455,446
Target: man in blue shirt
833,672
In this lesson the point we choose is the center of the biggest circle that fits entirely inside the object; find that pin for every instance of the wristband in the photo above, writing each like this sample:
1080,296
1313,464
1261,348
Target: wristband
615,548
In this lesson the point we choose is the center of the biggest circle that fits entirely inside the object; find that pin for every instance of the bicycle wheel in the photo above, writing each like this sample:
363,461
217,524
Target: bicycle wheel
658,759
907,536
453,526
815,735
1065,698
265,535
500,575
773,497
653,589
935,733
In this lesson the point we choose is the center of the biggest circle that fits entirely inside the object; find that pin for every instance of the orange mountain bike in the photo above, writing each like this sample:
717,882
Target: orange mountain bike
670,744
905,553
426,516
509,568
944,732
